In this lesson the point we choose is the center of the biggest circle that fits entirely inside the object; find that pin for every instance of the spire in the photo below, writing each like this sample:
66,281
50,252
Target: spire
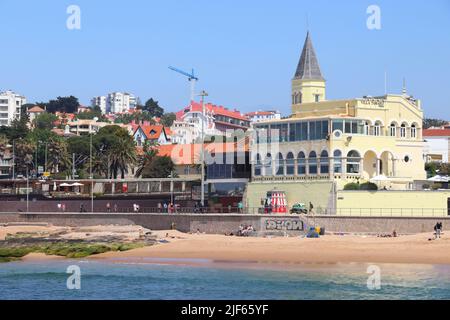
308,66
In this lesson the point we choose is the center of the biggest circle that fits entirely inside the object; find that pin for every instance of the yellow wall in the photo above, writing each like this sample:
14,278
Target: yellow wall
319,193
393,203
308,89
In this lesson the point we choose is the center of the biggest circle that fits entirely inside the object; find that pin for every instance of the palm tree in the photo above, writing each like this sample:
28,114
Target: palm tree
121,155
144,161
58,156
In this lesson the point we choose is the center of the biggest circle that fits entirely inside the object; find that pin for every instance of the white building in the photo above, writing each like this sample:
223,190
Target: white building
184,132
10,105
258,116
437,147
115,102
99,101
120,102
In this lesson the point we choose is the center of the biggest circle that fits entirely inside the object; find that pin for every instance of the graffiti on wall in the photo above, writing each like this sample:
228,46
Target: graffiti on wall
284,224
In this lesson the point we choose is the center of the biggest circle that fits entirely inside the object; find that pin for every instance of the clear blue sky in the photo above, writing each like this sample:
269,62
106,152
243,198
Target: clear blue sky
245,52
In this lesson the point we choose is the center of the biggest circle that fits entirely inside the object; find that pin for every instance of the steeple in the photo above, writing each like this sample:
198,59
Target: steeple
308,85
308,67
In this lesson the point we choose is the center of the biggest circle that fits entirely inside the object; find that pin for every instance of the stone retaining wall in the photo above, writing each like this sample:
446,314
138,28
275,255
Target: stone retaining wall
226,223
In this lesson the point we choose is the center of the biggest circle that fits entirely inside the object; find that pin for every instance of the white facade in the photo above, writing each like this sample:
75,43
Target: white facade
184,132
437,148
120,102
99,101
259,116
10,105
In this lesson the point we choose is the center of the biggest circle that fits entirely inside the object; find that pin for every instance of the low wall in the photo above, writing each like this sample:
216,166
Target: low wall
220,224
394,203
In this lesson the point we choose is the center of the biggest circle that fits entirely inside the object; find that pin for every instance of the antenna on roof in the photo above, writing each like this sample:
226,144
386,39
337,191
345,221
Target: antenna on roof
404,87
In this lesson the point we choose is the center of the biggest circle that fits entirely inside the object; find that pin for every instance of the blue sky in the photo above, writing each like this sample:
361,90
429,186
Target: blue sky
244,52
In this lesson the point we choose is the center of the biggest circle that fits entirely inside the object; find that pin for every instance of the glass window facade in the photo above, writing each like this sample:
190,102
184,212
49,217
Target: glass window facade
301,163
292,132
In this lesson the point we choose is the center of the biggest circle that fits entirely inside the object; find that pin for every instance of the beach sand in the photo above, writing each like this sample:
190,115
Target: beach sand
415,249
408,249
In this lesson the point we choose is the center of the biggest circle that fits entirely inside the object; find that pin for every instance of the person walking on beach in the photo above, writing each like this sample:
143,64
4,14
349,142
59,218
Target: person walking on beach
82,208
437,231
63,207
108,207
159,206
165,207
115,207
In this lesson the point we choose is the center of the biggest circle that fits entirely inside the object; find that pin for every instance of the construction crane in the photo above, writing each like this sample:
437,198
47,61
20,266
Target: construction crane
191,77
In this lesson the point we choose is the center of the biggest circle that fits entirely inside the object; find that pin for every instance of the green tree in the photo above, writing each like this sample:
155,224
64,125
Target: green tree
58,159
61,104
428,123
168,118
145,160
116,148
95,112
153,108
45,121
24,155
158,167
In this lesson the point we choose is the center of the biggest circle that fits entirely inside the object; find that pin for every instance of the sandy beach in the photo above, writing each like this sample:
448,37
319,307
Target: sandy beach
415,249
295,250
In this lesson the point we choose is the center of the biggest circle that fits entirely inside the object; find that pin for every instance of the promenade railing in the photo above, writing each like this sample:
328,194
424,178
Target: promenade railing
340,212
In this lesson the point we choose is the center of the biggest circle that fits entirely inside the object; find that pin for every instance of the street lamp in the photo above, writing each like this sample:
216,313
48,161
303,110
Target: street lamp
203,94
90,161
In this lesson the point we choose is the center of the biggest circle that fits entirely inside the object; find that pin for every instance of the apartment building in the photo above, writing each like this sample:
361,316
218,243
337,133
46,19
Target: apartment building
10,106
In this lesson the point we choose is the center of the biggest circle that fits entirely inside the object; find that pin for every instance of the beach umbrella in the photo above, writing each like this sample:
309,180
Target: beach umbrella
65,185
380,178
438,178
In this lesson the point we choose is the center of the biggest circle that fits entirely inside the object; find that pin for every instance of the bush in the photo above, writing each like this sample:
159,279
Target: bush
351,186
368,186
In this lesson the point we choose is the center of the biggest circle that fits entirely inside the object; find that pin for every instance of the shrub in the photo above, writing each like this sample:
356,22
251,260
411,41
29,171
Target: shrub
368,186
351,186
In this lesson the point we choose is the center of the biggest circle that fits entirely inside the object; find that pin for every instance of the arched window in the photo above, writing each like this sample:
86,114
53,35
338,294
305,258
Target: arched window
312,162
377,129
258,166
290,164
413,131
393,129
367,128
268,165
279,165
403,130
337,161
324,163
353,161
301,163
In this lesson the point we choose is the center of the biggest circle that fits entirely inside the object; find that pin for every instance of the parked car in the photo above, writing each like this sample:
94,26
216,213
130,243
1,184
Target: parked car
299,208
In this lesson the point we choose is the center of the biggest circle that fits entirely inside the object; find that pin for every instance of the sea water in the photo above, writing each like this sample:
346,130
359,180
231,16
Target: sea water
205,280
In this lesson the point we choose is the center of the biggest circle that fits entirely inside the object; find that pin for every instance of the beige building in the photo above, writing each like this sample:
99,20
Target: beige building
326,144
358,138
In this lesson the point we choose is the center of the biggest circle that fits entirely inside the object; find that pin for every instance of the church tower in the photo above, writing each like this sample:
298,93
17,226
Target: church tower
308,84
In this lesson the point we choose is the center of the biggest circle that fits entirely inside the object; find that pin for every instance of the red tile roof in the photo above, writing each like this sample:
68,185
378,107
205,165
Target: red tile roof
187,154
216,110
152,132
436,133
36,109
